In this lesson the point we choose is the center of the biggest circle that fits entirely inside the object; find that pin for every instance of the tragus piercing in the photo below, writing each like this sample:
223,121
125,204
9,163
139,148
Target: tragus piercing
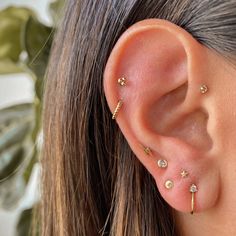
118,107
193,189
122,81
204,89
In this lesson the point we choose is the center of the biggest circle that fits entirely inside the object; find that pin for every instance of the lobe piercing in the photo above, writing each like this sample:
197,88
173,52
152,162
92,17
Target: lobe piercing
169,184
147,150
162,163
193,189
204,89
118,107
122,81
184,174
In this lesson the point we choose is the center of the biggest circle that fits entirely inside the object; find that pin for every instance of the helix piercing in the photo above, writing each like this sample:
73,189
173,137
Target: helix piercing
122,81
193,189
147,150
162,163
184,174
118,107
169,184
204,89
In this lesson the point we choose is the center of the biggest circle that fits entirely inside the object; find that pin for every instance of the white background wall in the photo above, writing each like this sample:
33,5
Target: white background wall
14,89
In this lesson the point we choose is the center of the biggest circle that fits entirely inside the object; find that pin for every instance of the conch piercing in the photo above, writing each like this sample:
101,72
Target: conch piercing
122,81
118,107
204,89
162,163
193,189
169,184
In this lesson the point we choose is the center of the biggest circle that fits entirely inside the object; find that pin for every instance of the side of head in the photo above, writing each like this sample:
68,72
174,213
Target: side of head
97,176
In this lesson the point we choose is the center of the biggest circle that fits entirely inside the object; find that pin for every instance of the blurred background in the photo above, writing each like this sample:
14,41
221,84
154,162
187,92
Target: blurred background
26,31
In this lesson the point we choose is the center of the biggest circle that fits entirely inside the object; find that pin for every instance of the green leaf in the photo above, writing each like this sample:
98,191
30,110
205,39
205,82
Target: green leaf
24,223
11,191
12,21
37,41
15,133
13,113
55,9
16,124
7,66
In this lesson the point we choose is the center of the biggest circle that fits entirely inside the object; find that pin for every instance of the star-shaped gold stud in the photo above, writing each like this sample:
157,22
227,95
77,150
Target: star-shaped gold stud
184,174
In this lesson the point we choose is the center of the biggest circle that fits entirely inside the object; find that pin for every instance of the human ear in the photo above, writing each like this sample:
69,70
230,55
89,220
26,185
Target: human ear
163,110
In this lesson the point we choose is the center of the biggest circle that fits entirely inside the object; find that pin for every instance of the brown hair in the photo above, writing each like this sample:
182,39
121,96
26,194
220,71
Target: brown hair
92,182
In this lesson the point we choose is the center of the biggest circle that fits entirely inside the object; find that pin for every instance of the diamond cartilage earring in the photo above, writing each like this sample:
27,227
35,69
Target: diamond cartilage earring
162,164
193,189
169,184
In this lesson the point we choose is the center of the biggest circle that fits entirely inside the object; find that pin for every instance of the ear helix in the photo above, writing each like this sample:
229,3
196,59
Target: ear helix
161,163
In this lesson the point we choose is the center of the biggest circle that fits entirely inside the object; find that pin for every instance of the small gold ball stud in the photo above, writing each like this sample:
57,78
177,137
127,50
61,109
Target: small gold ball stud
122,81
169,184
204,89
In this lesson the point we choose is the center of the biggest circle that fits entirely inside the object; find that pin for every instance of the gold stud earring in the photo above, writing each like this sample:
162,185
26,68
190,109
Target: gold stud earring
169,184
184,174
204,89
147,150
193,189
122,81
162,164
118,107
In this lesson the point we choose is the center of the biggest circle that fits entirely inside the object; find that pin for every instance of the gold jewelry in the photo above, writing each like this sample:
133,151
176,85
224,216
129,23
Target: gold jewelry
147,150
204,89
122,81
162,163
118,107
169,184
184,174
193,189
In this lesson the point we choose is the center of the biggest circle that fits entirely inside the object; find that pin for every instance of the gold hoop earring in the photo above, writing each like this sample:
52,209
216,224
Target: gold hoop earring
118,107
193,190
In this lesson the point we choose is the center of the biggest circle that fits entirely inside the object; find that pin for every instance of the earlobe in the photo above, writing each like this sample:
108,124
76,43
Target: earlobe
156,89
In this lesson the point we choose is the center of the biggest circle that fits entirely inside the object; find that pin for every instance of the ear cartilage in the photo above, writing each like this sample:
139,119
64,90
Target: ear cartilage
204,89
147,150
118,107
169,184
193,189
122,81
162,163
184,174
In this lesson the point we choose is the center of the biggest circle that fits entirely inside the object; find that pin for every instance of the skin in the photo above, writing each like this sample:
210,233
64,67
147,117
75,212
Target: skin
164,110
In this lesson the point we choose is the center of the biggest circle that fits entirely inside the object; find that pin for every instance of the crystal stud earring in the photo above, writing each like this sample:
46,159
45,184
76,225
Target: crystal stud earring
162,163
